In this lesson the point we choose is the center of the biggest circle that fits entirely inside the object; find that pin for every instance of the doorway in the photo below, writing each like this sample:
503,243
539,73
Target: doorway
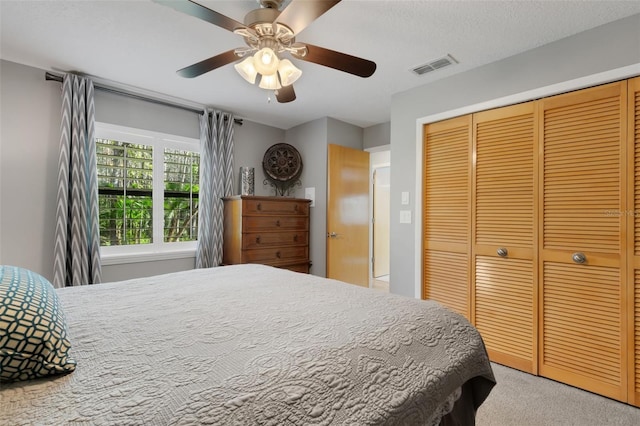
380,166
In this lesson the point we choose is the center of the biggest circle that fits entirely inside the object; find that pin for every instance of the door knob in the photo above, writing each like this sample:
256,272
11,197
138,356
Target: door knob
579,258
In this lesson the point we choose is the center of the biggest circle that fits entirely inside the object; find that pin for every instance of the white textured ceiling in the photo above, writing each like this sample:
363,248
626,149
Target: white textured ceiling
140,44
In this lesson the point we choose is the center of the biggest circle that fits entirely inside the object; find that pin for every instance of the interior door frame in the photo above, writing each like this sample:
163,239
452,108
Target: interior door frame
372,167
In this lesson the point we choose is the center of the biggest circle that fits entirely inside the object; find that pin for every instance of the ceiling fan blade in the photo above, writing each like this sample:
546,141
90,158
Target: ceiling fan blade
300,13
286,94
201,12
208,64
337,60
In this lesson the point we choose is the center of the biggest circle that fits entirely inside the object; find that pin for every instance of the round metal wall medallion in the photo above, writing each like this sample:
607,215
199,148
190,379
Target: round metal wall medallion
282,162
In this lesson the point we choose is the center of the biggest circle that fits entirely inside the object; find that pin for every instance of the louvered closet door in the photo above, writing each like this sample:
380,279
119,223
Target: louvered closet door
633,222
504,234
446,213
583,327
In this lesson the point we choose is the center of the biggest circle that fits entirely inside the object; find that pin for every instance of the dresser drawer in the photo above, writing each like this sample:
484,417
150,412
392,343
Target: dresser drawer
275,223
275,207
275,239
298,267
275,255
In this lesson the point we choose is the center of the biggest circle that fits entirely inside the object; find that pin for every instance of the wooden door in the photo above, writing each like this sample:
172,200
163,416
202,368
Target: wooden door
447,213
632,214
348,215
381,221
504,249
582,240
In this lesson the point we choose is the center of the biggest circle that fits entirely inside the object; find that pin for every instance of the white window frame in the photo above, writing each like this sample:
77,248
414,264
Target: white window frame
157,250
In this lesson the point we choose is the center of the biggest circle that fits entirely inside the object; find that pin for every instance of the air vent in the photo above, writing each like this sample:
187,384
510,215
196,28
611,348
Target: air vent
435,65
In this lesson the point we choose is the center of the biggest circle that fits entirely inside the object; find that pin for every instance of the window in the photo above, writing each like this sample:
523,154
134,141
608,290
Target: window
181,186
148,185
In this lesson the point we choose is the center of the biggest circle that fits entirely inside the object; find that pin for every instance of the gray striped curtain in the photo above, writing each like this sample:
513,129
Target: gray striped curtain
77,243
216,181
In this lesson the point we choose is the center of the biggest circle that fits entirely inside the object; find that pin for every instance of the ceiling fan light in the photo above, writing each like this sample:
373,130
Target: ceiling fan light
289,73
266,61
270,82
247,70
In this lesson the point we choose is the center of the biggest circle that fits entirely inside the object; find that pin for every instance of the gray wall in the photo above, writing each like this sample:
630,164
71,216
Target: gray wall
29,146
312,140
345,134
609,47
251,141
124,111
378,135
29,140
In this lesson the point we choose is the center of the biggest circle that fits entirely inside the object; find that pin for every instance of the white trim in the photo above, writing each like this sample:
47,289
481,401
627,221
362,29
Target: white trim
372,168
553,89
157,195
146,137
149,256
114,255
379,148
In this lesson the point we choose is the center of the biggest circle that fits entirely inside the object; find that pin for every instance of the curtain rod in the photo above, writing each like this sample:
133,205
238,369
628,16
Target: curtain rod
53,77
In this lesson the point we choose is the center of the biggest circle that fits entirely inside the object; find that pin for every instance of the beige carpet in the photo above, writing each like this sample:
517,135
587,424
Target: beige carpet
521,399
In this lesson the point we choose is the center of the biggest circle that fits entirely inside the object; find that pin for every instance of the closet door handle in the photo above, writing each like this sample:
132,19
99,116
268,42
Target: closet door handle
579,258
502,252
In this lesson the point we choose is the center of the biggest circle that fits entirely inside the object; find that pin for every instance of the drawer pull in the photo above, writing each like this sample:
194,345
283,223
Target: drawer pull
259,206
258,239
278,254
295,207
277,223
295,238
579,258
502,252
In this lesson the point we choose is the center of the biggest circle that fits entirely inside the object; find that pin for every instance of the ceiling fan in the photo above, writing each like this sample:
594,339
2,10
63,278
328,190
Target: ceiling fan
268,34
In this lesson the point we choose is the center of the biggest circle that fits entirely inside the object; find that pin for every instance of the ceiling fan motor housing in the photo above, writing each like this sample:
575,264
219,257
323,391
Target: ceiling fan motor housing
270,4
261,16
266,31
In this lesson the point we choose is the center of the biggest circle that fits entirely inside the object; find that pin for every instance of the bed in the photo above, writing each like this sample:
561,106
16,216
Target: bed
253,344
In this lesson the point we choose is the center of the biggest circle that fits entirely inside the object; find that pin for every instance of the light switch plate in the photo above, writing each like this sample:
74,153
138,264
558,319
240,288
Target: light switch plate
405,198
405,216
310,194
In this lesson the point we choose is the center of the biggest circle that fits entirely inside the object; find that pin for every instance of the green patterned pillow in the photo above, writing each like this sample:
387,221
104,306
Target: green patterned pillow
33,332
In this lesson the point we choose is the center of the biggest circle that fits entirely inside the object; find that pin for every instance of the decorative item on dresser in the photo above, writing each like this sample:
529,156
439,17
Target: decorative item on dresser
268,230
247,181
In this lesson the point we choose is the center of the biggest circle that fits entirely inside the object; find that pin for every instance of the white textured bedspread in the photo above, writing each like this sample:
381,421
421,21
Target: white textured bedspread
252,344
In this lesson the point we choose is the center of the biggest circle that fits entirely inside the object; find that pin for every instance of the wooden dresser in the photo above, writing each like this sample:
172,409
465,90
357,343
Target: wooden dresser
268,230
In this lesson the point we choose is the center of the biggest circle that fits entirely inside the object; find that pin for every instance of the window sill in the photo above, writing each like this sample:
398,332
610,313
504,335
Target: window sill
141,257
